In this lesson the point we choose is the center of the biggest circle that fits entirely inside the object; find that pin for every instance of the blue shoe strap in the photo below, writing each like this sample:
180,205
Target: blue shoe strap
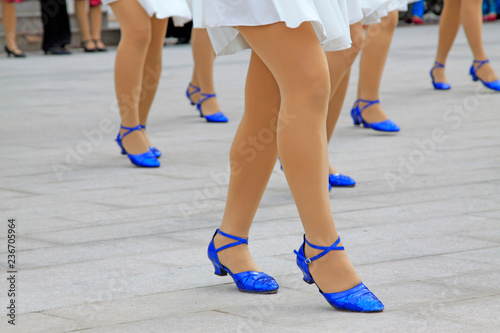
325,249
142,126
480,62
196,90
369,103
205,97
237,239
129,130
437,65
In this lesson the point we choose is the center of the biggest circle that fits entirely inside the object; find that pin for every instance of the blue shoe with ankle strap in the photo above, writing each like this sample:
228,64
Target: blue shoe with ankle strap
340,180
154,150
439,85
218,117
189,94
147,159
358,298
383,126
493,85
251,282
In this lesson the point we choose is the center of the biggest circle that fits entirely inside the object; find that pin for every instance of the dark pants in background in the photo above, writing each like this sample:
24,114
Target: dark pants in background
56,31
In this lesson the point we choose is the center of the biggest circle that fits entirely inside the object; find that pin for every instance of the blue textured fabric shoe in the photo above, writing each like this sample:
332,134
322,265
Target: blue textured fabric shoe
251,282
358,298
146,160
340,180
439,85
218,117
383,126
493,85
154,150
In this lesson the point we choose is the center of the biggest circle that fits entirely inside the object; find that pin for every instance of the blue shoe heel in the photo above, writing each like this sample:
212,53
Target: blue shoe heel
189,94
439,85
147,159
154,150
493,85
218,117
250,281
358,298
382,126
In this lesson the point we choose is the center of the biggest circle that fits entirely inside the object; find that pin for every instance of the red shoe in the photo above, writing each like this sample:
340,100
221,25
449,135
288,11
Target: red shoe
418,20
491,17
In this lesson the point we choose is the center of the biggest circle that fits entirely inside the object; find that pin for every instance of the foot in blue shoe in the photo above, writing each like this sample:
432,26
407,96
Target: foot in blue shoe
218,117
154,150
476,65
439,85
146,160
340,180
383,126
358,298
249,281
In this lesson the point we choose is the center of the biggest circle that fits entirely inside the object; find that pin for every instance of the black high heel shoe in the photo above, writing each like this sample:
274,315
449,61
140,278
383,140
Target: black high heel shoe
16,55
85,43
97,48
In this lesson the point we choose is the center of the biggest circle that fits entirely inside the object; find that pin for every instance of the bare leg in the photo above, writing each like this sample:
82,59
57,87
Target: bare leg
95,13
301,140
253,156
448,29
335,107
152,70
131,54
9,24
83,23
373,58
339,64
204,57
473,27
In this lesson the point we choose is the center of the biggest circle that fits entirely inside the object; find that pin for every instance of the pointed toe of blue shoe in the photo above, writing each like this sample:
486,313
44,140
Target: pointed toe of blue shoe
147,160
494,85
340,180
218,117
255,282
358,299
384,126
441,86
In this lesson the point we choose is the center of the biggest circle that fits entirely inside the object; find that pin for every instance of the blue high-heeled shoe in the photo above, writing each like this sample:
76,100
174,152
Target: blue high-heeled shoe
493,85
147,159
154,150
252,282
218,117
383,126
340,180
358,298
189,94
439,85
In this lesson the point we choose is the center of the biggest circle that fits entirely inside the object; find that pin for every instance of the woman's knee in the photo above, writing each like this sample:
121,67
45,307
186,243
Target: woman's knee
138,33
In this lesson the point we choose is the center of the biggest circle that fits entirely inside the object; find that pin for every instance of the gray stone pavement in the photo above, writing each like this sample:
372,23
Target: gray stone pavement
107,247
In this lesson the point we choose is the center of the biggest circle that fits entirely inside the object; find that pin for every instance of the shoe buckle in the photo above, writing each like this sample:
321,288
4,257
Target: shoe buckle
308,261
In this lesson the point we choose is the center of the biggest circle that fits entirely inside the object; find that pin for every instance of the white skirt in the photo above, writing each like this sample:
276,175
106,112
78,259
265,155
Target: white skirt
329,19
177,9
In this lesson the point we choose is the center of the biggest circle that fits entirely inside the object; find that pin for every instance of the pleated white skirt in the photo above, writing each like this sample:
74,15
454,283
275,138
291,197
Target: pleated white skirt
177,9
329,18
